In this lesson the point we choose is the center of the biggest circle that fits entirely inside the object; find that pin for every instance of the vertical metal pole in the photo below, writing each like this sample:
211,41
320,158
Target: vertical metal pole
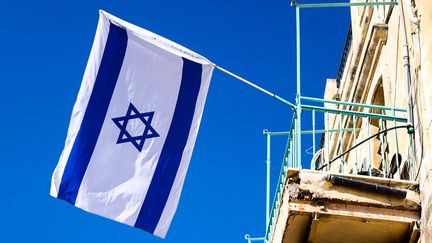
406,63
298,110
327,140
292,150
396,147
355,142
407,77
370,149
290,157
294,145
411,160
268,181
340,142
313,138
384,161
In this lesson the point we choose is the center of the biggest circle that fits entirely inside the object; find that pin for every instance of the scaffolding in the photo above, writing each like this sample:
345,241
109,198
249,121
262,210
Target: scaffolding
352,119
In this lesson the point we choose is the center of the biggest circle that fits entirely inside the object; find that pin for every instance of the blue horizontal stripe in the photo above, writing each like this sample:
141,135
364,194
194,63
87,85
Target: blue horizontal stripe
95,113
172,151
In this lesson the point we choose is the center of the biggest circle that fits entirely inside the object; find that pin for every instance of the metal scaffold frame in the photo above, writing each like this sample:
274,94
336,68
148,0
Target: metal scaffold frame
293,152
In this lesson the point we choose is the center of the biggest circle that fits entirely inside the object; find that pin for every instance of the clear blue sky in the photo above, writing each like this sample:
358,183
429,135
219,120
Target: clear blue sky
44,49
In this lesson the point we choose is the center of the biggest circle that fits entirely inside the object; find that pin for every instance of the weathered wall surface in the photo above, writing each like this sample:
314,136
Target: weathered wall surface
424,125
315,208
362,77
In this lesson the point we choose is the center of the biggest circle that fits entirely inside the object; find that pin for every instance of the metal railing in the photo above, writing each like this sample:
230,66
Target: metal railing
348,121
352,127
289,161
345,124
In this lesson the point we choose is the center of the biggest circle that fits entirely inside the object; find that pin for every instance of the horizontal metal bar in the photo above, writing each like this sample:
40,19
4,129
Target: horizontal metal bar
349,4
366,186
276,134
330,130
388,108
357,113
247,237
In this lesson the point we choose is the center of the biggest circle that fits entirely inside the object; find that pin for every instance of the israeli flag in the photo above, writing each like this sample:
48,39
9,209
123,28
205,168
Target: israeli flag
133,127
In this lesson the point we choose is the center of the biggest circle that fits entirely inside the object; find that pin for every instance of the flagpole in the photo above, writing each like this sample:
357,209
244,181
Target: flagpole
256,87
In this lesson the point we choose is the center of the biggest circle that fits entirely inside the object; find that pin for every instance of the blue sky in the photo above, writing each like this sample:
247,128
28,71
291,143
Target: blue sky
44,48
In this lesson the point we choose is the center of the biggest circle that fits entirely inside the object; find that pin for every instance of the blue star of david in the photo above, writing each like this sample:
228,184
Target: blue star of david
125,136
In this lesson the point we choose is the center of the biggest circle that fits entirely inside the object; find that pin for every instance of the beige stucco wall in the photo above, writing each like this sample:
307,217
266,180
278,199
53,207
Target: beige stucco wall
315,209
425,116
375,62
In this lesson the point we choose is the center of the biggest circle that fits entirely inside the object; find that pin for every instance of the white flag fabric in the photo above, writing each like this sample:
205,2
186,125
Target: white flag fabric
133,127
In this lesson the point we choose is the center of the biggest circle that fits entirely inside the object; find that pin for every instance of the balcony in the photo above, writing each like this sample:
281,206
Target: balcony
353,192
315,208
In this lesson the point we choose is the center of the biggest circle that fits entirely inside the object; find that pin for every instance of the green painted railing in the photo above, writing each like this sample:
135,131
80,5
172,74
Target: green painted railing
290,158
349,115
289,161
354,111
